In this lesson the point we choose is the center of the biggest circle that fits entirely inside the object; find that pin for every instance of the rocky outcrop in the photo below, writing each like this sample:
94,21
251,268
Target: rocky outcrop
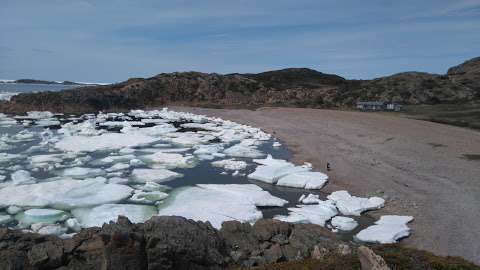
166,243
371,261
297,87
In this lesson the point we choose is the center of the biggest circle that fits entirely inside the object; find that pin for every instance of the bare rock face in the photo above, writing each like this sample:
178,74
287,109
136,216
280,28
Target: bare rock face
371,261
165,243
467,74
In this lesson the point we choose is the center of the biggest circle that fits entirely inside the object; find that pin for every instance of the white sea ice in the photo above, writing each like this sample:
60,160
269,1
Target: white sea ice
13,210
305,179
118,167
52,230
388,229
309,199
64,194
242,150
107,141
73,224
312,213
90,217
218,203
81,172
35,215
52,158
148,197
344,223
170,160
272,173
230,164
352,205
22,177
4,219
153,175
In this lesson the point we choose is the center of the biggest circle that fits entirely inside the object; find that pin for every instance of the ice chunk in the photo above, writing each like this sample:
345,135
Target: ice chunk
243,150
90,217
4,219
312,213
170,160
208,149
107,141
53,158
32,216
22,177
153,175
64,194
307,180
148,197
344,223
80,172
112,159
271,173
230,164
52,229
118,167
73,224
310,199
388,229
13,210
218,203
352,205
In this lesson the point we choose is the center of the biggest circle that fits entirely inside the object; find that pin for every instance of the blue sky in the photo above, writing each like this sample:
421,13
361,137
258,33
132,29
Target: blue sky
112,40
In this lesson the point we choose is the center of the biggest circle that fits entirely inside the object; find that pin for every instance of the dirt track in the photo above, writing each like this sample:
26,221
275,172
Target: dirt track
418,166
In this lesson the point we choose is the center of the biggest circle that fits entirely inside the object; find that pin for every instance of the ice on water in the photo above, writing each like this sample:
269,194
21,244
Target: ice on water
219,203
95,167
388,229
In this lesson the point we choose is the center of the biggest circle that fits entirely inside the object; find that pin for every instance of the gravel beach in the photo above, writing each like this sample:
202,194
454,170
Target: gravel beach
418,167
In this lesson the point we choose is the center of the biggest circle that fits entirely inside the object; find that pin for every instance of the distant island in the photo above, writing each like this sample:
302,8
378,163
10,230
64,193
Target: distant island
35,81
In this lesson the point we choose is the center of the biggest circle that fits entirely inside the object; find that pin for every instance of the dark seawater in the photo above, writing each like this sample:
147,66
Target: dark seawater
9,89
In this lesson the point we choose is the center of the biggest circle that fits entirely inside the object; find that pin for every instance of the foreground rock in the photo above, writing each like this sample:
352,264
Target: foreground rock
165,243
298,87
168,242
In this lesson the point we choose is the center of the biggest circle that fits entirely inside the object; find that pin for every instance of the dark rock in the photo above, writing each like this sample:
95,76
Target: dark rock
164,243
177,243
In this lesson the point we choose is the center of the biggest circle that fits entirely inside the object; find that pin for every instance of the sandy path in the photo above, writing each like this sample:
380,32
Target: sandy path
418,166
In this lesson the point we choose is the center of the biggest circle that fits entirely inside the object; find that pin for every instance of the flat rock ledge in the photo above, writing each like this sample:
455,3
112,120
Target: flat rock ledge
168,242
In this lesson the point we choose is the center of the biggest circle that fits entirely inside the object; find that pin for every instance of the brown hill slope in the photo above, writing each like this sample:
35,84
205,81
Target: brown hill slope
298,87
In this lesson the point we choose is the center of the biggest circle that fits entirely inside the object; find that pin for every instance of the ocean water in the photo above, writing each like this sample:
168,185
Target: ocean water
7,90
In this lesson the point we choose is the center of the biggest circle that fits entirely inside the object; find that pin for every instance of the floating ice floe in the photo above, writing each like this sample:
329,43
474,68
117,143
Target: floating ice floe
309,199
153,175
64,194
52,229
352,205
388,229
40,159
32,216
148,197
242,150
118,167
230,164
170,160
344,223
107,141
81,172
218,203
4,219
96,216
312,213
22,177
305,179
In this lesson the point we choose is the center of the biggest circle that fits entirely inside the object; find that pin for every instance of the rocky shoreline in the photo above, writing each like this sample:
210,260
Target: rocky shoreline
168,242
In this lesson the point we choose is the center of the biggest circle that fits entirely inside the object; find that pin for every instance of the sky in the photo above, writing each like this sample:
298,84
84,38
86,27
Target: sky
113,40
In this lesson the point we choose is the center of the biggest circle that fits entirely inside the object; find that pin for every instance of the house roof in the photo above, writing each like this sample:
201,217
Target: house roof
371,103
